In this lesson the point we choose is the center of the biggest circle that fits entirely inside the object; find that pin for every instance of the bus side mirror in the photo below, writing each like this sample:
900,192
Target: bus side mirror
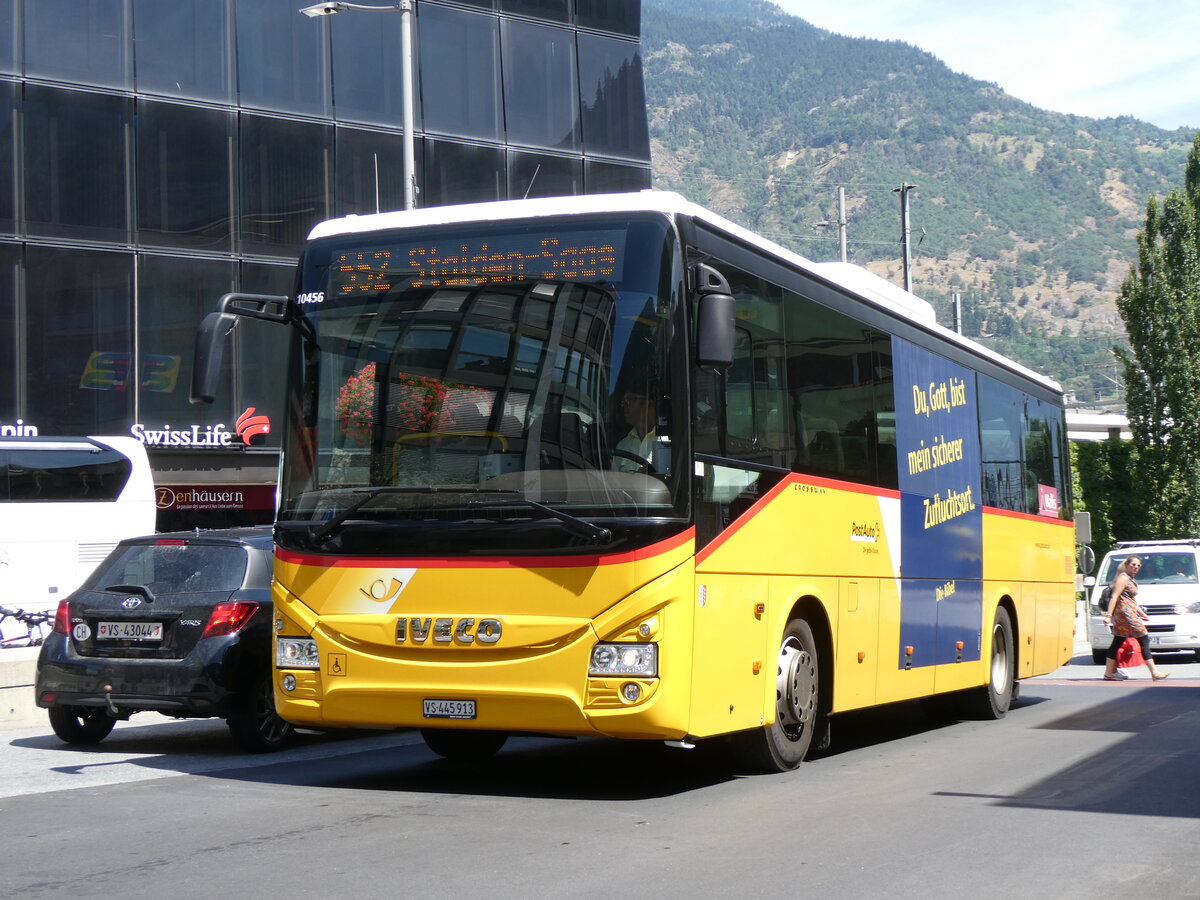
1087,559
216,328
210,346
715,319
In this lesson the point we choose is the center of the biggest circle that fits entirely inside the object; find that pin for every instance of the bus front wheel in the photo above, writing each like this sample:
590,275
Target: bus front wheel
992,700
799,718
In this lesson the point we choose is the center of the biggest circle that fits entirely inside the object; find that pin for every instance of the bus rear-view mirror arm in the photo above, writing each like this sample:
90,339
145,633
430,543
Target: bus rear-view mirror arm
714,318
215,330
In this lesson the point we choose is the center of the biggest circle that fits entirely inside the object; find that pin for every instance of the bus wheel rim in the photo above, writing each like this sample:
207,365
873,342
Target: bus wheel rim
1000,672
796,688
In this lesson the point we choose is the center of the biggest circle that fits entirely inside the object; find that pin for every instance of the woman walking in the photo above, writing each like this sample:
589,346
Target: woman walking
1128,619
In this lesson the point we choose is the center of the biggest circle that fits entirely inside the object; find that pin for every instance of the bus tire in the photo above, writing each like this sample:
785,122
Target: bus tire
255,725
81,724
464,746
800,724
992,700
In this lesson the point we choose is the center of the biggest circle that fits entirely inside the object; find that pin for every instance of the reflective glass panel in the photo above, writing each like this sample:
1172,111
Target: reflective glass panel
8,174
370,171
174,294
10,255
78,40
614,178
281,58
69,138
621,16
460,90
542,175
462,173
181,48
284,189
8,36
541,103
555,10
367,75
613,97
78,340
183,172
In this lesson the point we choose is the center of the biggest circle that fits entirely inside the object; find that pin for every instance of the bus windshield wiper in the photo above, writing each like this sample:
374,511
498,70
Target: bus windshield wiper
597,534
580,528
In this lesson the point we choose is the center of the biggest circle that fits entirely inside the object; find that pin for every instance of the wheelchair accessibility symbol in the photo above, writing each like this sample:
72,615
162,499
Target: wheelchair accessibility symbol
335,664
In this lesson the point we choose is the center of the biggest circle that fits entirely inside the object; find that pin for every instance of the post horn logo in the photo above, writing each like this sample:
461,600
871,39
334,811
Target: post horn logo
249,426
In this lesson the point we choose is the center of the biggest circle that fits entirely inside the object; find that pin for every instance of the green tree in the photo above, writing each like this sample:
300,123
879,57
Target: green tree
1160,305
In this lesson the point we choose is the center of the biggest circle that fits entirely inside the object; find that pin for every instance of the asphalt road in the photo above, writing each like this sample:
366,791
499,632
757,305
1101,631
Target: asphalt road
1086,788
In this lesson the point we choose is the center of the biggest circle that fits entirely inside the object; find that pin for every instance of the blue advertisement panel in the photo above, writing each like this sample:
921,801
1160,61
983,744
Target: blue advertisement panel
941,511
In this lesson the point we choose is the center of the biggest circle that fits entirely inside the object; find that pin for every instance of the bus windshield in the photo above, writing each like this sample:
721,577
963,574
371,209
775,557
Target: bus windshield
453,379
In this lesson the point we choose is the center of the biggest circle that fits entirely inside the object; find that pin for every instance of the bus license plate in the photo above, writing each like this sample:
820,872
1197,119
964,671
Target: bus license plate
129,631
1155,641
449,709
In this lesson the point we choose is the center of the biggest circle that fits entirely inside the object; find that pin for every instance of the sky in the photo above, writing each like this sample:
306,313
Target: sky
1097,58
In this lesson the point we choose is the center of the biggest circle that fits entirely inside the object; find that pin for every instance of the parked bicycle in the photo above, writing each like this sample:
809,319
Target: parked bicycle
20,628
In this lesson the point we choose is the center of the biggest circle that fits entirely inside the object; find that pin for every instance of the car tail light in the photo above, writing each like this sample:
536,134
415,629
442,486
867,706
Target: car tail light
228,618
170,542
62,617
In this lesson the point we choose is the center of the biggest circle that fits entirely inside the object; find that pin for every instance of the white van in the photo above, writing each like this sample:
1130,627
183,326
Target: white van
1168,589
65,502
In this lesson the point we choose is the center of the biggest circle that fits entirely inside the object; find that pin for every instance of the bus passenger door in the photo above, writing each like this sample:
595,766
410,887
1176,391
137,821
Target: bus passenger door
730,658
857,655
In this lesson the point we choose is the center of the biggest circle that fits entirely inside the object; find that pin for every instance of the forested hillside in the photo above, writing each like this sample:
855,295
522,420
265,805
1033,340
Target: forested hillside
1030,215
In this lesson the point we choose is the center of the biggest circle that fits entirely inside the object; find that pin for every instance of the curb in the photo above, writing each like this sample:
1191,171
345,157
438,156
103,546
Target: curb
17,707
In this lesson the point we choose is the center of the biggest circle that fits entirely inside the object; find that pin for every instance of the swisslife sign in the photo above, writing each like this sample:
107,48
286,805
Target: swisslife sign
219,436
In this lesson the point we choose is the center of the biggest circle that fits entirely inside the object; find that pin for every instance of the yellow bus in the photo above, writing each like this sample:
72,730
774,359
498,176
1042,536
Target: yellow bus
615,466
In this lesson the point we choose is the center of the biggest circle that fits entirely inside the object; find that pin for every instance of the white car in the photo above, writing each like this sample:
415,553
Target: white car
1168,589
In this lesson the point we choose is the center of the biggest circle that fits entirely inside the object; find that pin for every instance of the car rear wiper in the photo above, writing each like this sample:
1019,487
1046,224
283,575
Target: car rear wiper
131,589
580,528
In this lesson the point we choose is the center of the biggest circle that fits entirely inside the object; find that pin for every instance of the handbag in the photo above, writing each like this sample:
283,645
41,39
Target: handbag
1130,654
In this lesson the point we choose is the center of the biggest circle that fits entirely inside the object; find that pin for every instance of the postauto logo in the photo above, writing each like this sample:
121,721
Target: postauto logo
248,427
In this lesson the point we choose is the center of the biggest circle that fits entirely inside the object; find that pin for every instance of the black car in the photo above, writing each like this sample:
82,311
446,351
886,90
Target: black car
178,623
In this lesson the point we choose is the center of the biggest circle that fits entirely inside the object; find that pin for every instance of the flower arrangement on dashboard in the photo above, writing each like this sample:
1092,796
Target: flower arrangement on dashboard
419,401
355,407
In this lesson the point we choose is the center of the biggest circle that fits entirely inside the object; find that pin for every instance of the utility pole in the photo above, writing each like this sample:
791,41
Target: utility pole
840,223
905,232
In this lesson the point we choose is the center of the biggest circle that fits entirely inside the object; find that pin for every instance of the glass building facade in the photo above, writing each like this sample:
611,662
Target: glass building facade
156,155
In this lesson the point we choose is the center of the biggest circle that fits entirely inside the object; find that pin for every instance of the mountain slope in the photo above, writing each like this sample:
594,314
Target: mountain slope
1030,215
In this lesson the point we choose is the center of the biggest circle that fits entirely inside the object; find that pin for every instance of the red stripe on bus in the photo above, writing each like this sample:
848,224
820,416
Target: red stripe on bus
489,562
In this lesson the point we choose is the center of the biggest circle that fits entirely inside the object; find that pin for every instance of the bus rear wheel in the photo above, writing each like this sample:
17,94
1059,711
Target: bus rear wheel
799,718
463,746
992,700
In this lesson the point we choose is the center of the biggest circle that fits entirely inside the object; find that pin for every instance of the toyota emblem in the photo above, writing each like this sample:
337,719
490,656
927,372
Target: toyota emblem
131,602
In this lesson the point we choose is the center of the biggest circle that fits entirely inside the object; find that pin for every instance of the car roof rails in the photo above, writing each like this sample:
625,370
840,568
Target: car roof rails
1174,542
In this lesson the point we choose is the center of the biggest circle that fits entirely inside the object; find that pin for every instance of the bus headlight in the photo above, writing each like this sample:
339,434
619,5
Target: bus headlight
296,653
624,659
